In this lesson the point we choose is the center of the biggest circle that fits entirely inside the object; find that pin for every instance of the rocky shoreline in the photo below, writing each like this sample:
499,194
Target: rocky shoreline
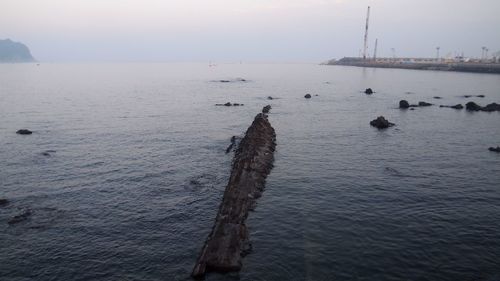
228,241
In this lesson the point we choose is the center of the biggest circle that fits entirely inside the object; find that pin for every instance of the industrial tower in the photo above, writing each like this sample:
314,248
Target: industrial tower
366,33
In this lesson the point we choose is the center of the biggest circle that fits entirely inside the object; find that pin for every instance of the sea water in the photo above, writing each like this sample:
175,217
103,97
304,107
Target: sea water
126,168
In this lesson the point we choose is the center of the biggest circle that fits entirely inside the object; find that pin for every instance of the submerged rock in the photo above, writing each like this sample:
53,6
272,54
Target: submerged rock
404,104
270,98
307,96
457,106
437,97
230,147
381,123
24,132
3,202
468,96
423,103
495,149
230,80
21,217
369,91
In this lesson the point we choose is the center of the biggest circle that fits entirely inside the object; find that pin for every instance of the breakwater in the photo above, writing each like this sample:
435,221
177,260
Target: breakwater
253,160
401,64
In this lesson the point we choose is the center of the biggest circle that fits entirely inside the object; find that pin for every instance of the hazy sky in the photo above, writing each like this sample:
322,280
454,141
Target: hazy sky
248,30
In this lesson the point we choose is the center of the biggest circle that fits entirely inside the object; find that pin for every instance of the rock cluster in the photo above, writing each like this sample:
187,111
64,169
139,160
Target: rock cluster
495,149
229,104
307,96
404,104
369,91
468,96
472,106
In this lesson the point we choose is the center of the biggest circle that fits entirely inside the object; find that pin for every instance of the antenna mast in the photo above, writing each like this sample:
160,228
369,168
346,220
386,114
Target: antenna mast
366,33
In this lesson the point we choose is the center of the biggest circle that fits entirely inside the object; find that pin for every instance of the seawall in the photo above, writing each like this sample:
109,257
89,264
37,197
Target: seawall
459,66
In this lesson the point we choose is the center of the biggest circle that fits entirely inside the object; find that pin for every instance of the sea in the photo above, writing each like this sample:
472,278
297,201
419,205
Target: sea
126,167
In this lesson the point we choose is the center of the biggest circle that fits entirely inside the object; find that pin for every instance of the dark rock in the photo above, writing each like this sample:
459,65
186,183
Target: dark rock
480,96
457,106
494,149
472,106
491,107
48,152
412,108
230,80
466,96
316,95
423,103
413,105
381,123
24,132
404,104
266,109
3,202
269,98
229,104
228,241
21,217
307,96
369,91
438,98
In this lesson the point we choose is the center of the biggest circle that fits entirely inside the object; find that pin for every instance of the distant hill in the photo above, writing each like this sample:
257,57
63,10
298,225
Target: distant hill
11,51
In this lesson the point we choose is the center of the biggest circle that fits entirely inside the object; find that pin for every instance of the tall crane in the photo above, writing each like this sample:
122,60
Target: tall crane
365,49
375,50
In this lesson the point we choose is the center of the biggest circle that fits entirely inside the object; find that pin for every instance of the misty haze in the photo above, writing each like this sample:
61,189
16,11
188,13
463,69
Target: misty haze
249,140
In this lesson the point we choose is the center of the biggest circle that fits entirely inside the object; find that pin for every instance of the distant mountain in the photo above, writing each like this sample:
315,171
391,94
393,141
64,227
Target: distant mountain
11,51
